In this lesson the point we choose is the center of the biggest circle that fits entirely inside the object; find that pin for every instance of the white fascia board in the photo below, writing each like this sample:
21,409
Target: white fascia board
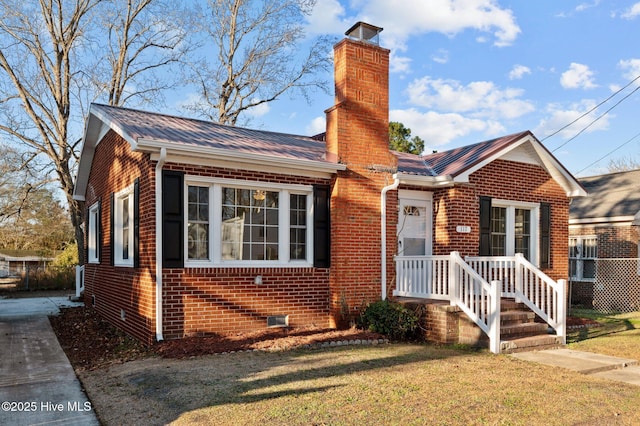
215,157
425,181
571,186
613,220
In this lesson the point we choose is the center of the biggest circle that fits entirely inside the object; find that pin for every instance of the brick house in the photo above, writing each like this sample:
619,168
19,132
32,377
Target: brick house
604,236
195,227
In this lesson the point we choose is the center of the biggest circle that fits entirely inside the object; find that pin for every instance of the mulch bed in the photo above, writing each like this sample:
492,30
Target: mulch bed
90,342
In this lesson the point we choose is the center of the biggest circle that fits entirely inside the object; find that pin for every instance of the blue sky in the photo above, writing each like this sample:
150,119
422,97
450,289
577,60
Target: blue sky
463,71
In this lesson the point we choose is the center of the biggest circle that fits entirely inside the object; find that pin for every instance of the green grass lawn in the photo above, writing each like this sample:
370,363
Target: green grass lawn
618,335
396,384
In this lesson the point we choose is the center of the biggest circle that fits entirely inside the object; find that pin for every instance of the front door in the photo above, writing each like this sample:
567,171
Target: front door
414,223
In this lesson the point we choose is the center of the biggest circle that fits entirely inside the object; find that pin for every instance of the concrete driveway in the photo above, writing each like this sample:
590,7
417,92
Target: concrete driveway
37,383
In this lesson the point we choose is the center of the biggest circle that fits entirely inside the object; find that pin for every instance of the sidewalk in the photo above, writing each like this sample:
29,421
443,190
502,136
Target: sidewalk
603,366
37,383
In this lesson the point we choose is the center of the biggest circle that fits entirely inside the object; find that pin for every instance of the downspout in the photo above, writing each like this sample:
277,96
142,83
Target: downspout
383,228
161,160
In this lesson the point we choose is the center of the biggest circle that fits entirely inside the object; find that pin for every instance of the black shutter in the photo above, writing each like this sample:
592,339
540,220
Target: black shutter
136,223
172,219
321,226
545,235
111,230
485,227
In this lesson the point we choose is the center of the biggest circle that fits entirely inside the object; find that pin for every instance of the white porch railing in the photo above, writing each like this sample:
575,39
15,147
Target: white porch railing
79,280
477,285
529,285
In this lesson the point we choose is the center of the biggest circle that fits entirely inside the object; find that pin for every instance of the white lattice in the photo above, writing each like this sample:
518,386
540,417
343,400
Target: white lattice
617,285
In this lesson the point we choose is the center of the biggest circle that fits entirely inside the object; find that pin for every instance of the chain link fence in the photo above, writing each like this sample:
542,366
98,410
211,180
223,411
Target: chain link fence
616,287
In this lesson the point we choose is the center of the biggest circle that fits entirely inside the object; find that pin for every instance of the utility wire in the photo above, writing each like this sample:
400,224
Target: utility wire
597,118
591,110
609,153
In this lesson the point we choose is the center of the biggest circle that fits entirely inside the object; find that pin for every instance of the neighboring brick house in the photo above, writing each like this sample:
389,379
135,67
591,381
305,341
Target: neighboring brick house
604,234
195,227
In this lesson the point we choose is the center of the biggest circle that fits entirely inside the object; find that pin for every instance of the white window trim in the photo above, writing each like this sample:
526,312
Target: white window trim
118,260
579,272
511,206
215,222
93,234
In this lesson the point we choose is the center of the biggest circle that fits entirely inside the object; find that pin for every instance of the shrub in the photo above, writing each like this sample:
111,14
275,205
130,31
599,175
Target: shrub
389,318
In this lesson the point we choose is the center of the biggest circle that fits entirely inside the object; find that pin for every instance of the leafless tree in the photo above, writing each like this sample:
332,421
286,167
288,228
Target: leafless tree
49,72
256,57
623,164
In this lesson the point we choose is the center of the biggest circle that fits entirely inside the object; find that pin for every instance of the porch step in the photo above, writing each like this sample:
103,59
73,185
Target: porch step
523,330
516,317
531,343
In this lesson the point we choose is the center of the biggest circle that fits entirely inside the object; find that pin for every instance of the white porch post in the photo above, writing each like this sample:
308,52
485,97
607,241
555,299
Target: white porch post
561,329
519,271
454,284
494,317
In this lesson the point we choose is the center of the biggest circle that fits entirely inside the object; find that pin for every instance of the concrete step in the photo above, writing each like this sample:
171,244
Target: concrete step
523,330
531,343
516,317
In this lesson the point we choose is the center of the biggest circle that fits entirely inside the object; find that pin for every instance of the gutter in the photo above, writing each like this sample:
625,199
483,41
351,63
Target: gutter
383,233
159,164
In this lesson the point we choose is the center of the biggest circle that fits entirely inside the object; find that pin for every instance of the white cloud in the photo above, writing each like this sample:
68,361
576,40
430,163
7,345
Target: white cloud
327,17
518,72
559,116
481,99
441,56
445,16
399,64
578,76
632,12
316,126
584,6
630,68
438,129
258,110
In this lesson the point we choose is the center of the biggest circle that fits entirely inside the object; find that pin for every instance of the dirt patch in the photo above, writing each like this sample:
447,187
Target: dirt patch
90,342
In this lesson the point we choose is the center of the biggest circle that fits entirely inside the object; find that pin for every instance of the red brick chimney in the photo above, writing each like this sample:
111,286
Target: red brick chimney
358,135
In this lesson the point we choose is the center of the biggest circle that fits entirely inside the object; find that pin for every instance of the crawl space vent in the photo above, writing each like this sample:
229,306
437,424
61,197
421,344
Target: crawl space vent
278,321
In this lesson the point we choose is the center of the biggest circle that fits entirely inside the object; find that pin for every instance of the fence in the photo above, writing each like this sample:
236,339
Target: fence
616,287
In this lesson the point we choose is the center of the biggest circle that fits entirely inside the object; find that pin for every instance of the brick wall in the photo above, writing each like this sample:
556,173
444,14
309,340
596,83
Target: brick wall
505,180
620,241
196,301
358,135
121,290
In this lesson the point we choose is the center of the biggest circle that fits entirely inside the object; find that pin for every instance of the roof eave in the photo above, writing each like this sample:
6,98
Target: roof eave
204,153
425,181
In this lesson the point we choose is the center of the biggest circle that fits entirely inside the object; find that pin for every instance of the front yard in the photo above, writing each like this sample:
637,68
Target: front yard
384,384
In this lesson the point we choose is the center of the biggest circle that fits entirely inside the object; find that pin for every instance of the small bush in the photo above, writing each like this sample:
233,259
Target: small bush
389,318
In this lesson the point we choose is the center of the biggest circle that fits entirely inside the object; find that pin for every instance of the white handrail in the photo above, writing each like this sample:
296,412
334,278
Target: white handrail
426,277
478,299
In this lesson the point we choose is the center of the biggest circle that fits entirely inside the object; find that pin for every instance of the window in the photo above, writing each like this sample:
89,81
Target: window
512,228
583,252
93,234
123,228
232,222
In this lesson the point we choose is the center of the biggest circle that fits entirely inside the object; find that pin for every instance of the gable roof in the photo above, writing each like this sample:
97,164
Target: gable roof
199,140
455,166
612,197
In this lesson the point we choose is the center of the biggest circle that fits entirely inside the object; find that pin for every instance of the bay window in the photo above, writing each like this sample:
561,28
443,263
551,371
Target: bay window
230,222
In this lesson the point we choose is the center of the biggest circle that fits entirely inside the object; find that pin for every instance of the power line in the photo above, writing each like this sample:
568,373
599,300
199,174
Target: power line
597,118
609,153
592,109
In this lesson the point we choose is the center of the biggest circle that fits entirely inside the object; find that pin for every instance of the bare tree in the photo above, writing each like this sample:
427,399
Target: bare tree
257,57
623,164
48,73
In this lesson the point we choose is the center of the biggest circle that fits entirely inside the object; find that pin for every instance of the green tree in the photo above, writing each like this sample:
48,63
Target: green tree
400,139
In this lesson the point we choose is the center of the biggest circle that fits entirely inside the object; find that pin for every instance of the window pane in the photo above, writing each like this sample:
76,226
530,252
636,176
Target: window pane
125,228
298,227
522,231
498,231
249,223
589,269
198,223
